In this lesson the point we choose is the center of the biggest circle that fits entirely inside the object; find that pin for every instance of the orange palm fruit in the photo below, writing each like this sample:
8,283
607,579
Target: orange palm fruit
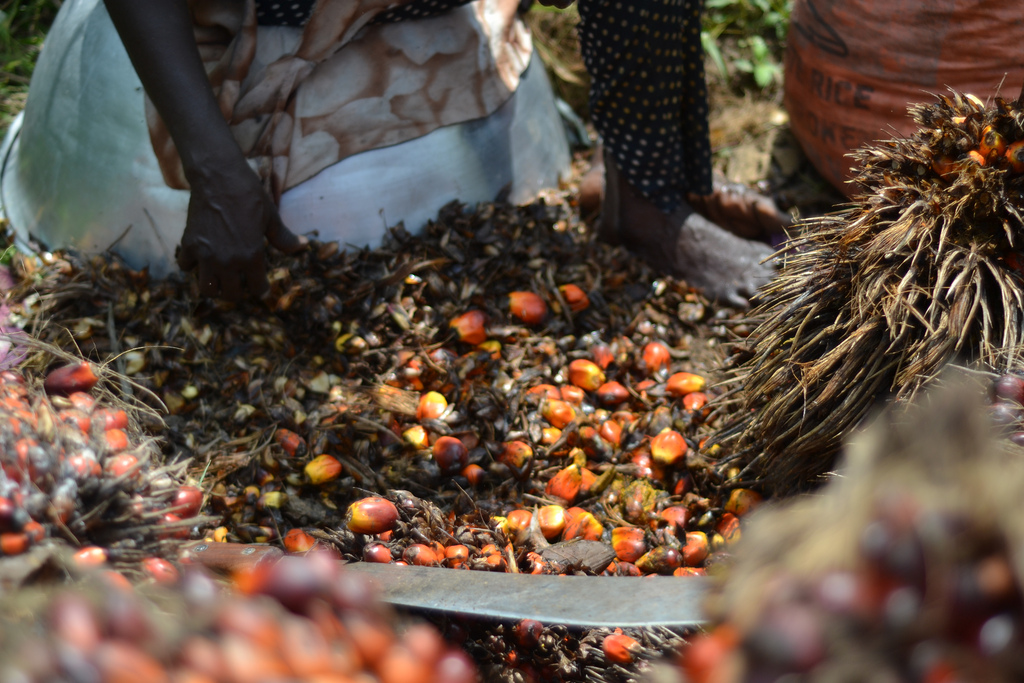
474,474
587,480
115,439
619,648
603,355
683,383
628,543
668,448
421,555
612,394
572,394
550,435
558,412
542,391
527,306
656,356
416,436
728,528
742,501
518,522
992,144
432,406
12,543
322,469
676,516
610,431
696,549
90,556
581,524
586,374
1015,155
70,378
551,520
945,166
977,157
470,326
456,555
695,400
120,465
373,515
707,658
565,484
298,541
377,553
575,298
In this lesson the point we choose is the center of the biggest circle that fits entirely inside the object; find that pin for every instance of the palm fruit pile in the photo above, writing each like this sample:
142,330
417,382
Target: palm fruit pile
923,268
75,470
501,393
906,569
299,620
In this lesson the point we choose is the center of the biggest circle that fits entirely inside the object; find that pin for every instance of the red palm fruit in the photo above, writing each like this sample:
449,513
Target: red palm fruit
292,444
111,419
527,306
172,520
628,543
456,555
474,474
518,522
13,543
83,466
603,355
551,521
612,394
696,549
421,555
619,648
160,570
432,406
575,298
115,439
656,356
70,378
322,469
372,515
559,413
676,516
572,394
992,144
566,483
542,391
683,383
581,524
695,400
527,633
470,327
121,465
450,454
187,501
610,431
298,541
660,560
668,448
377,553
742,501
586,374
707,658
90,556
82,401
1015,155
728,528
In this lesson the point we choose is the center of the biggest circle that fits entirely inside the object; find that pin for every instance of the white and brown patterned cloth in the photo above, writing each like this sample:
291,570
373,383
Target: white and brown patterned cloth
301,99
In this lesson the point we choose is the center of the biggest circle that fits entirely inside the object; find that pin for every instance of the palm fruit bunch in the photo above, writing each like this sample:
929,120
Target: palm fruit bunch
923,268
72,469
302,619
907,569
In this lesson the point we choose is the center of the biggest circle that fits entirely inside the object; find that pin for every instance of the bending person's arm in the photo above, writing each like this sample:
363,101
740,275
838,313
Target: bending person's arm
229,213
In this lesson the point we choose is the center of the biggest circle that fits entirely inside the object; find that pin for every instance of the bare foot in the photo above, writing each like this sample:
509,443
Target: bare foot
741,210
727,268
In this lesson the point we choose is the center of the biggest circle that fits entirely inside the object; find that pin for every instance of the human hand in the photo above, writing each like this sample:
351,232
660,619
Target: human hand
229,215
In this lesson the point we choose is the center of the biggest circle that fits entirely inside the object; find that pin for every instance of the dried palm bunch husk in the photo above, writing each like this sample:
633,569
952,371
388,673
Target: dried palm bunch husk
926,266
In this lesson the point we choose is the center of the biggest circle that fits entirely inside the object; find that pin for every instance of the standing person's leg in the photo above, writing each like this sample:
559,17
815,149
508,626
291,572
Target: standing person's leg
649,103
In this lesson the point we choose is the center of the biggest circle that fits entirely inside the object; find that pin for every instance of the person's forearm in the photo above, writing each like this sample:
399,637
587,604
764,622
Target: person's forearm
158,37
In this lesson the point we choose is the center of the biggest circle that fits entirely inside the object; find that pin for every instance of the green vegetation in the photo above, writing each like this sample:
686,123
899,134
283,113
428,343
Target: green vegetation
23,25
745,40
